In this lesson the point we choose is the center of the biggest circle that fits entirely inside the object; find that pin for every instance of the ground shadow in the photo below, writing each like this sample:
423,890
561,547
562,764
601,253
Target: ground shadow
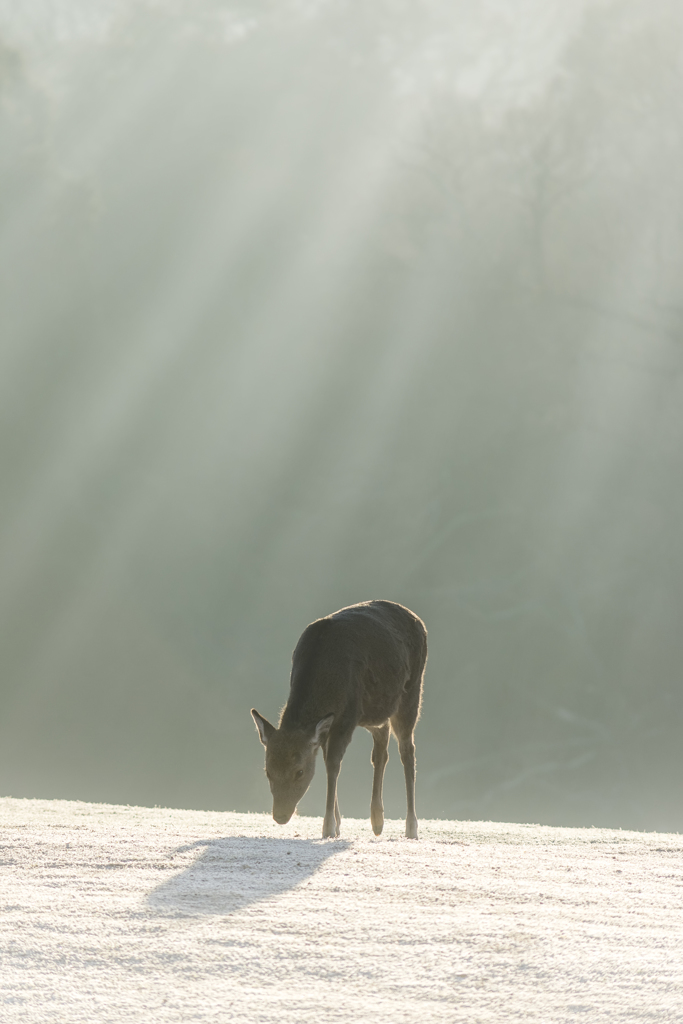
237,871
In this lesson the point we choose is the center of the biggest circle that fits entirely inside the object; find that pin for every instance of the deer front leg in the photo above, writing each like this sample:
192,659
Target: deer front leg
333,752
379,758
332,818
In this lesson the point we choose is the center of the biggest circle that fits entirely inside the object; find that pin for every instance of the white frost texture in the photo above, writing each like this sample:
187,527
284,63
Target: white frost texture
137,914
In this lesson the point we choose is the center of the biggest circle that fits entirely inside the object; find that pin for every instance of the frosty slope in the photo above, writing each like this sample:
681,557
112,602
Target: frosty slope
135,914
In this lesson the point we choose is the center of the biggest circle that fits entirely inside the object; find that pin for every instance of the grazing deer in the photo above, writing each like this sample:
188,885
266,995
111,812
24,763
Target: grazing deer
363,665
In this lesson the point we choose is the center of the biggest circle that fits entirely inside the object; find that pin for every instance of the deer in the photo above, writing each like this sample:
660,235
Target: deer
363,665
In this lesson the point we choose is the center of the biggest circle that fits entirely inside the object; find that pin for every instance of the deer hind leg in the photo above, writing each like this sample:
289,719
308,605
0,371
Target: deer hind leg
406,748
403,727
379,758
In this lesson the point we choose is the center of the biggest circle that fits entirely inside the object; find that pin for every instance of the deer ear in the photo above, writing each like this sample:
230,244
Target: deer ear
321,729
265,729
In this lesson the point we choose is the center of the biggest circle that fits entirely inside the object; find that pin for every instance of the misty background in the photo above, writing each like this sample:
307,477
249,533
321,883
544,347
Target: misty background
307,302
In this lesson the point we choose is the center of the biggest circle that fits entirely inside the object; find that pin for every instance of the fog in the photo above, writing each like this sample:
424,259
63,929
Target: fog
309,302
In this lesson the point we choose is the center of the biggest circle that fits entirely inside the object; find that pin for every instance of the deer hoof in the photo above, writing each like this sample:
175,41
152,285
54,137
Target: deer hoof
411,829
330,829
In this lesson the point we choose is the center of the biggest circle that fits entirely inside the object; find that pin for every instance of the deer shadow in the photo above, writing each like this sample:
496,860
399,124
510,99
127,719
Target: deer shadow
237,871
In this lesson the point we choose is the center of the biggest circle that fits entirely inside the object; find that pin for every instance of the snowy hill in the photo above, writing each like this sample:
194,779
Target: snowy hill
135,914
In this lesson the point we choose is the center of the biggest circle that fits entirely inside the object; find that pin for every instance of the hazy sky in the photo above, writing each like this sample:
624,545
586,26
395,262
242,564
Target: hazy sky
304,304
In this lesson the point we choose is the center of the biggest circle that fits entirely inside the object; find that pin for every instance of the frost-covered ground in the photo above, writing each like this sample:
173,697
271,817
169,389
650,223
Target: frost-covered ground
136,914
